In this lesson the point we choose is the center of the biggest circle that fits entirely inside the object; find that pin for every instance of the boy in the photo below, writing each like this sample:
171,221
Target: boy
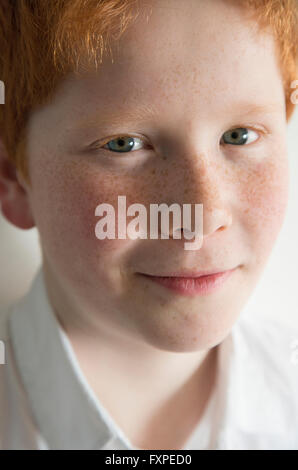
112,348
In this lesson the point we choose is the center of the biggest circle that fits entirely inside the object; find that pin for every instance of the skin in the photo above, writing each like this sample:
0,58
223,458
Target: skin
203,76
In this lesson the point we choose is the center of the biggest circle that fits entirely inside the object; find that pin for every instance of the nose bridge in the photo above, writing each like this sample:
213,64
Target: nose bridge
202,181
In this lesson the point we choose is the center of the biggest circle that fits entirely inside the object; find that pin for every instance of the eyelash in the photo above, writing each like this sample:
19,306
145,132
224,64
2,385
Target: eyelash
96,146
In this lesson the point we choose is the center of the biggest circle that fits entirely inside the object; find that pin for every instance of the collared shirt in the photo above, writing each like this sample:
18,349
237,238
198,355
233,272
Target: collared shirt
47,403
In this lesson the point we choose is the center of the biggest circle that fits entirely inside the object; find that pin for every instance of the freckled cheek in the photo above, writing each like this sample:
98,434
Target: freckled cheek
264,199
78,219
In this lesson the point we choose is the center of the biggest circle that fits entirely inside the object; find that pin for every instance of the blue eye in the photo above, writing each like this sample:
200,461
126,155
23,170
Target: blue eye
239,136
125,144
122,144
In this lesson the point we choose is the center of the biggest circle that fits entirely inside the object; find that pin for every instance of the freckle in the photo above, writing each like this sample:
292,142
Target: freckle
153,172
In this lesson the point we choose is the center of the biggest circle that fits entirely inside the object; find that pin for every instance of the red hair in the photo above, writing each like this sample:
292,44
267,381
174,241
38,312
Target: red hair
43,41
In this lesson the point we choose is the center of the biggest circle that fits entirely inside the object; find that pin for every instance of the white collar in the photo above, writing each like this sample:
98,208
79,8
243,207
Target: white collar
63,404
70,416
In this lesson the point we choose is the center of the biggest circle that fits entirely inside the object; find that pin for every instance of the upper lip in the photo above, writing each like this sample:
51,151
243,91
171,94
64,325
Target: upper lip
190,274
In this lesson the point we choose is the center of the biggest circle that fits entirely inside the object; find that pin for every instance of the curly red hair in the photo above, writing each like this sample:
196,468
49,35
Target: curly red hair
42,42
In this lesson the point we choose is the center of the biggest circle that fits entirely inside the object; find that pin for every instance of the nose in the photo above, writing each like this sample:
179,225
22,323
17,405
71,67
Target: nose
202,181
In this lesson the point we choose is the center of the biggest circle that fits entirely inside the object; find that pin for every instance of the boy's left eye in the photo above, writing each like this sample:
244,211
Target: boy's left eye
239,136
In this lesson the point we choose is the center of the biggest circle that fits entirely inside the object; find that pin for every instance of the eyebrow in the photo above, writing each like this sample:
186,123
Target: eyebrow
145,112
248,108
123,115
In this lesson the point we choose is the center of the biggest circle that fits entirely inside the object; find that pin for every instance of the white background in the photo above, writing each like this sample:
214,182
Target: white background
275,295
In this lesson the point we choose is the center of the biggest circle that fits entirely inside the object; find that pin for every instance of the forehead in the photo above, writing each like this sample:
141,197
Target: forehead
201,54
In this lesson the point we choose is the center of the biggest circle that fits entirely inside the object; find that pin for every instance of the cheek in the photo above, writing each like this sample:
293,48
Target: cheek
67,219
263,199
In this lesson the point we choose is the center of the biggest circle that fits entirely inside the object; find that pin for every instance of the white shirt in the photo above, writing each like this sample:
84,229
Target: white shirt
47,403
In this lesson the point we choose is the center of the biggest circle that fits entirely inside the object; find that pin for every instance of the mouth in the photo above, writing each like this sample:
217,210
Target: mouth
192,284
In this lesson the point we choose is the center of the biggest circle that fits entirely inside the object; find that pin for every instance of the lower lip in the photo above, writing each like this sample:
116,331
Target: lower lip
193,286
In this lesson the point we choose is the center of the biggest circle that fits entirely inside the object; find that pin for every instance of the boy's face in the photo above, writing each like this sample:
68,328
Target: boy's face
204,70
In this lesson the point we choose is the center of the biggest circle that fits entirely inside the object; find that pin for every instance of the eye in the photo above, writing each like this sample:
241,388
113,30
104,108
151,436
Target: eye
123,144
239,136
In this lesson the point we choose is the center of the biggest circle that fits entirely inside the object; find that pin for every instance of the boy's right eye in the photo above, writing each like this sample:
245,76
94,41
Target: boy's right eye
122,144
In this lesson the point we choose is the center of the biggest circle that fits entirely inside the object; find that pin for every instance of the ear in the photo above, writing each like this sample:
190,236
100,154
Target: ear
14,198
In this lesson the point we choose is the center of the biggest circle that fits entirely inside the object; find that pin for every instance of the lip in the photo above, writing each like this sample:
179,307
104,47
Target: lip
194,283
191,274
